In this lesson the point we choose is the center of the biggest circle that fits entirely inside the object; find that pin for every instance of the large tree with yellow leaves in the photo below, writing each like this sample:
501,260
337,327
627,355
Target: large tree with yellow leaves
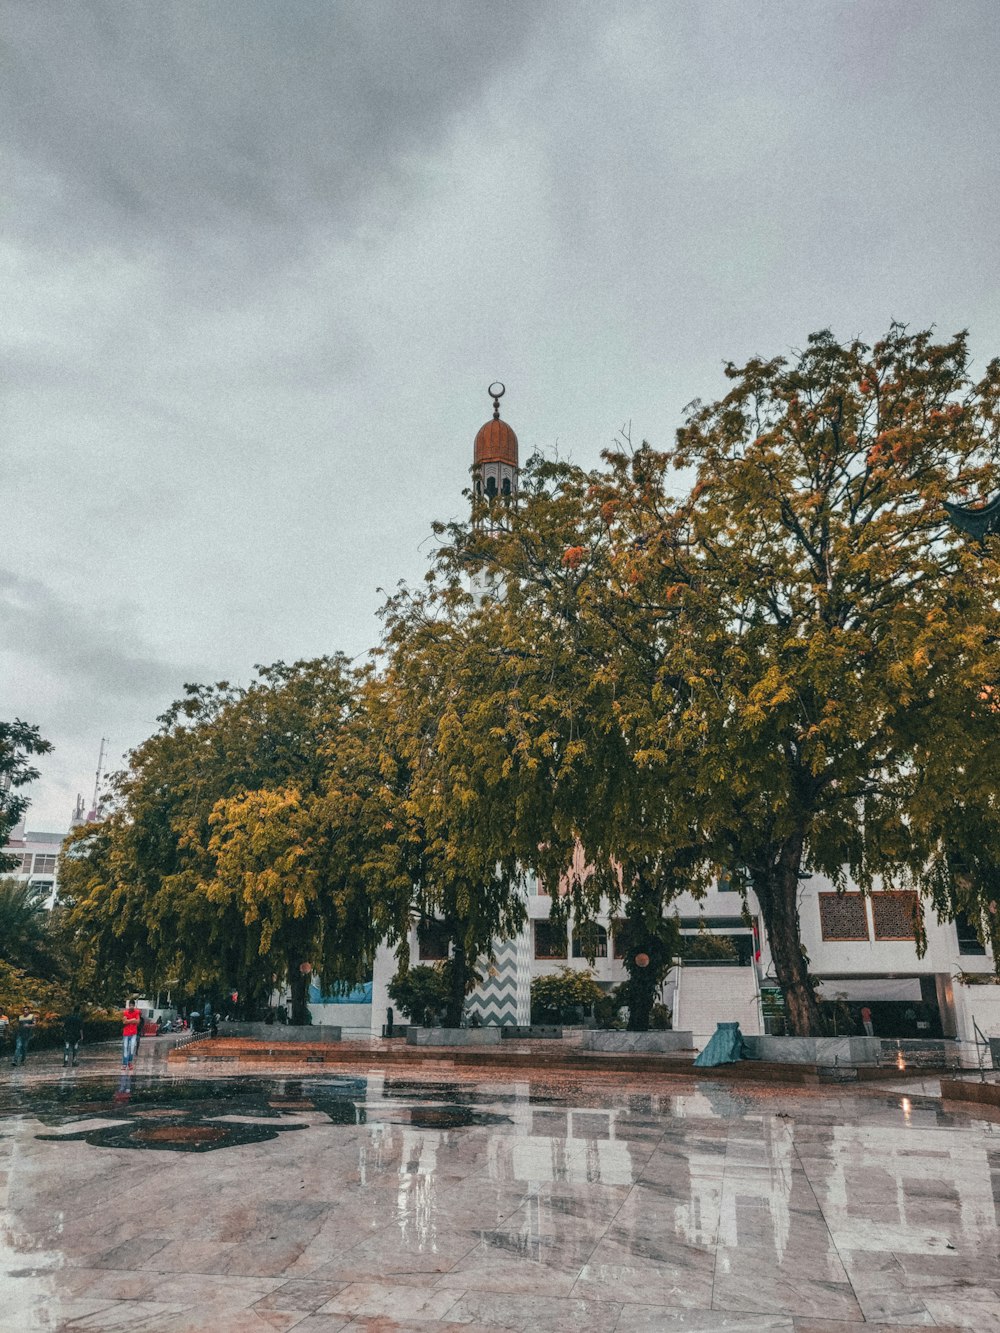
788,642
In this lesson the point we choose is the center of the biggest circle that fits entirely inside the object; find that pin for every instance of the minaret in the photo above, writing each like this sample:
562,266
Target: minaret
503,997
494,466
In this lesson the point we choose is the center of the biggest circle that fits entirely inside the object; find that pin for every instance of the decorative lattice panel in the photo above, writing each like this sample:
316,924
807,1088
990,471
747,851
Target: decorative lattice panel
842,916
894,915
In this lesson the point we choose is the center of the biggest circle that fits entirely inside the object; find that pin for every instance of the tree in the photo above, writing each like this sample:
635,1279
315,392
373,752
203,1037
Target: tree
453,859
565,690
218,864
765,668
18,742
24,926
832,626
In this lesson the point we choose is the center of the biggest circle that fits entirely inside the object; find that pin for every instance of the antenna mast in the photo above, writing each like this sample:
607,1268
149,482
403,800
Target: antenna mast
97,779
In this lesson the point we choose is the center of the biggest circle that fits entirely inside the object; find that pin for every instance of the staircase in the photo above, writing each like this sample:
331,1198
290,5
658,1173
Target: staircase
710,995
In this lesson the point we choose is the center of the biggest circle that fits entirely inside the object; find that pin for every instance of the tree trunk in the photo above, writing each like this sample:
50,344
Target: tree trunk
459,977
777,888
642,986
300,989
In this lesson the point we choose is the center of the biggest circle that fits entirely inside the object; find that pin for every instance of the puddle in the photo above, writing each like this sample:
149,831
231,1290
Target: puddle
203,1115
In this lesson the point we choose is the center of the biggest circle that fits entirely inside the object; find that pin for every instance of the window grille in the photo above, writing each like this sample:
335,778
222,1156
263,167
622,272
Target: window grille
590,941
843,916
45,865
894,915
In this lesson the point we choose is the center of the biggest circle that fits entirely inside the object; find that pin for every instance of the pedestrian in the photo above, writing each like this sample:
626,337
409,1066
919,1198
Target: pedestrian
72,1035
130,1026
4,1029
866,1021
22,1039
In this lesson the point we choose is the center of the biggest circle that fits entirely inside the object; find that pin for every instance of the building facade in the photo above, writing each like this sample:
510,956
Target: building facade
36,859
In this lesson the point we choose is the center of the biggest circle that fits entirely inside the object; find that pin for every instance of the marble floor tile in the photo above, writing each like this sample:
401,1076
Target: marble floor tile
655,1204
390,1300
547,1314
298,1294
656,1319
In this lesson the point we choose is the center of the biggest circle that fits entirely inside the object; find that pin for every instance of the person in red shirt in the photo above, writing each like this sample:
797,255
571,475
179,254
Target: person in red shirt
130,1027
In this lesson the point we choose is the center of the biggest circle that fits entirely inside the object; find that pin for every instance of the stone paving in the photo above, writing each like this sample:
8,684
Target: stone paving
373,1201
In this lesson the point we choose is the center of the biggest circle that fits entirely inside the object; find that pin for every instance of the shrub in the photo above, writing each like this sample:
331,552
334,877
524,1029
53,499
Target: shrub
560,996
419,992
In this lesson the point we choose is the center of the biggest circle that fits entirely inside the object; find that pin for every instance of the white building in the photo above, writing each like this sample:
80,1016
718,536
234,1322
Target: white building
36,859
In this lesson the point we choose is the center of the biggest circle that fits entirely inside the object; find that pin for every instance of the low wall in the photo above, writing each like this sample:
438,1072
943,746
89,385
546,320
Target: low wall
814,1050
965,1090
921,1052
453,1037
275,1032
662,1042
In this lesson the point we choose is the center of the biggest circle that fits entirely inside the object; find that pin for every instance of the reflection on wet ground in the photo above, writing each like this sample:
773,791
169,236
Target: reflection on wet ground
333,1202
202,1115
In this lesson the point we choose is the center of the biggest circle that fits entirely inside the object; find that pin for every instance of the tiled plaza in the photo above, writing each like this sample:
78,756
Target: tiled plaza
336,1202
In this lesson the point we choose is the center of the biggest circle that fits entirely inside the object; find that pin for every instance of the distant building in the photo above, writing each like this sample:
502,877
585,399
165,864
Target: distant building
36,859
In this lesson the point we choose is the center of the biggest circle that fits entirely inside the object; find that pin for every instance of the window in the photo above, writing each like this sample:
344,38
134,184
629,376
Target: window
491,488
25,866
843,916
505,488
968,937
550,940
45,865
432,940
590,941
895,915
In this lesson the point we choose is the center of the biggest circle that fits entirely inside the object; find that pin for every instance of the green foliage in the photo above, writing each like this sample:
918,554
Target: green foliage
559,996
24,921
420,993
792,665
18,742
224,861
18,988
705,945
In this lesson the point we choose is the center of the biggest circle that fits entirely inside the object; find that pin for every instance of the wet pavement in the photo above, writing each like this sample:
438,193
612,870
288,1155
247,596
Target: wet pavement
163,1201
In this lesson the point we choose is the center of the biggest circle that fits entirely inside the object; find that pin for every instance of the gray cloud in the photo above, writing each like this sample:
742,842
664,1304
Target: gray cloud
103,657
241,122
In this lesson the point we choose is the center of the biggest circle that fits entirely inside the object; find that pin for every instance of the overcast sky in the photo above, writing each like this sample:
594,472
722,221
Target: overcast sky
261,260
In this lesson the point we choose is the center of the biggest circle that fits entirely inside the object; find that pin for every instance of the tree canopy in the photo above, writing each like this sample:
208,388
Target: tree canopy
762,649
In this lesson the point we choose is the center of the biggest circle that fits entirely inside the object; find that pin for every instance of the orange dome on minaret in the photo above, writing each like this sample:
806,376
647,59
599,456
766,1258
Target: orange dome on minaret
496,442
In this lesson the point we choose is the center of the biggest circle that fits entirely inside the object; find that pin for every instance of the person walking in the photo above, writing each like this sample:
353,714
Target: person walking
866,1021
72,1035
4,1029
131,1018
22,1039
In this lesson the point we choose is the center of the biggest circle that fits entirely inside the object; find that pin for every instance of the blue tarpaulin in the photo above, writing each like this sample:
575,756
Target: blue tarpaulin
725,1046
